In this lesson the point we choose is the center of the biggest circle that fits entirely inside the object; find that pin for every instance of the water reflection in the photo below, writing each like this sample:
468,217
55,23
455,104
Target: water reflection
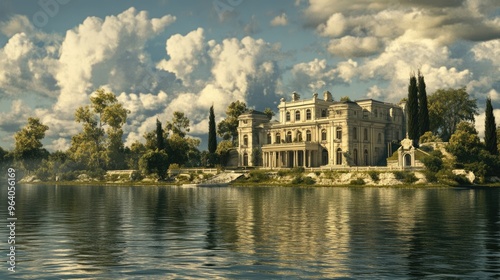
85,231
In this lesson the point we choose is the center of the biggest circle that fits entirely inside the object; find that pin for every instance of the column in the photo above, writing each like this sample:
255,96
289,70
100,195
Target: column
304,158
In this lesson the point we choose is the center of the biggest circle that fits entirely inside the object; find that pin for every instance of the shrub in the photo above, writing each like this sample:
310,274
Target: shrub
430,176
303,180
258,176
298,169
407,177
358,182
374,175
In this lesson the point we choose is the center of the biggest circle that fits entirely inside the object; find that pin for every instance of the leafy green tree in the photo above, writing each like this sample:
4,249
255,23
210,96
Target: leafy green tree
447,108
134,153
464,144
28,146
212,136
270,113
154,162
434,161
179,124
96,148
345,99
423,110
256,156
228,128
490,134
181,150
429,137
413,129
223,150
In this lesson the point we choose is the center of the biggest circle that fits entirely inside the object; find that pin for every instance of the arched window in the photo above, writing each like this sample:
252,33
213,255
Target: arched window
355,133
308,114
323,135
245,140
339,133
289,137
339,156
299,136
355,156
297,115
366,157
365,134
245,159
278,138
269,141
287,116
379,138
323,113
308,135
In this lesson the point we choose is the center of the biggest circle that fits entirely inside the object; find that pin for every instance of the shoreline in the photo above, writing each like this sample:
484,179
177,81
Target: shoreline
253,184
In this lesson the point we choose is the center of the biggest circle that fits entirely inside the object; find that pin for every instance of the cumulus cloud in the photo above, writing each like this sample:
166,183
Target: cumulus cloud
280,20
26,65
349,46
312,76
187,54
105,52
16,24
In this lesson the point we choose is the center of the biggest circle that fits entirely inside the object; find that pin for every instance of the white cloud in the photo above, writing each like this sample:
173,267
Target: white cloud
349,46
280,20
312,76
105,52
334,26
347,70
187,53
489,51
16,24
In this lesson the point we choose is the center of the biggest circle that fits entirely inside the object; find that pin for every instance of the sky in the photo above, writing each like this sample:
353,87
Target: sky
162,56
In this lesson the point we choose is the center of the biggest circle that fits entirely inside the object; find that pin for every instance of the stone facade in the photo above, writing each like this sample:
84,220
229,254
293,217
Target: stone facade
321,132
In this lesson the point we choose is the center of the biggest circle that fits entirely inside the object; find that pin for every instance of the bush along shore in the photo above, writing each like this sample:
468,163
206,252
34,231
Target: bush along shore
285,177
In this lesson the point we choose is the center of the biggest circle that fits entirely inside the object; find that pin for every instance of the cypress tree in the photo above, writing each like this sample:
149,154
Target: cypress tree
160,142
490,134
212,138
423,111
413,130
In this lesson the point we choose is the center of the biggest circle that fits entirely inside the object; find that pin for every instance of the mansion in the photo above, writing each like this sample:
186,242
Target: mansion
321,132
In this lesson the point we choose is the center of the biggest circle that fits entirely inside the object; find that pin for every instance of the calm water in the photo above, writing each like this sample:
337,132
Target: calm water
253,232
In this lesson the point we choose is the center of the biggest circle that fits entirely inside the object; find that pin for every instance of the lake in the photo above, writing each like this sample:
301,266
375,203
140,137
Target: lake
163,232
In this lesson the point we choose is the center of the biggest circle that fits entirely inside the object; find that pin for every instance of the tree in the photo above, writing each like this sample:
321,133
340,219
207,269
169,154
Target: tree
181,149
345,99
447,108
179,124
96,148
154,162
423,110
212,137
160,142
429,137
490,134
228,128
413,130
28,146
134,153
270,113
464,144
223,150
